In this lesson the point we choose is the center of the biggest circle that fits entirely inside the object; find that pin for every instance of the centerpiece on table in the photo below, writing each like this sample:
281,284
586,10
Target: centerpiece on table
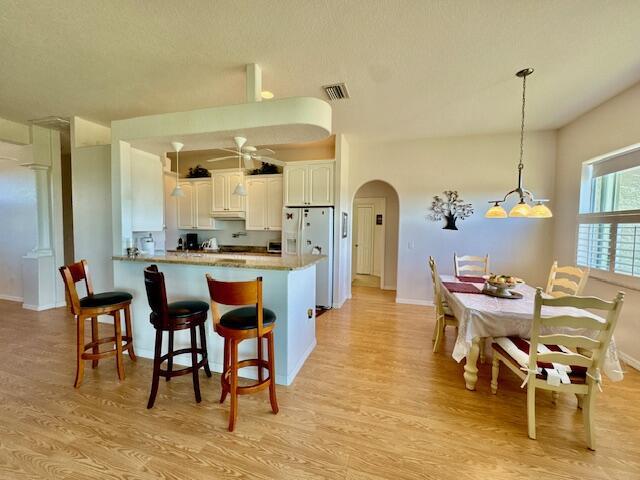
501,286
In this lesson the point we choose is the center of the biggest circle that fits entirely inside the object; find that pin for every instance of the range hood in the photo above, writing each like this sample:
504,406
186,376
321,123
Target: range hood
229,215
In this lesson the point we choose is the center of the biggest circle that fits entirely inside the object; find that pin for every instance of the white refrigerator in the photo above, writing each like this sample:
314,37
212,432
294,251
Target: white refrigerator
309,230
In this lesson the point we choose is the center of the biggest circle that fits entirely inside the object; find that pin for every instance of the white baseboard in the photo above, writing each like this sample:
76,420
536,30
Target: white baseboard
415,301
339,305
39,308
389,287
11,298
629,360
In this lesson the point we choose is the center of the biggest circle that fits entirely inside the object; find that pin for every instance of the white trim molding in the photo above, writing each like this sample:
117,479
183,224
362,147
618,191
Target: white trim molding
11,298
415,301
629,360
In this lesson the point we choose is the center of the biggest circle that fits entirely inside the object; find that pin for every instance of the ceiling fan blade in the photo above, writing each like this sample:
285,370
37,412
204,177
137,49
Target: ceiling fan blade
228,150
264,151
222,158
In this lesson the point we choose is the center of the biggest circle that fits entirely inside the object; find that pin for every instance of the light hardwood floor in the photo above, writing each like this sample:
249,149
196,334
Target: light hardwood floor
372,402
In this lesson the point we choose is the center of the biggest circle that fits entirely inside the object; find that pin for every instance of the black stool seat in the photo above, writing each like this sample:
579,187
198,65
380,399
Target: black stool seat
104,299
186,308
246,318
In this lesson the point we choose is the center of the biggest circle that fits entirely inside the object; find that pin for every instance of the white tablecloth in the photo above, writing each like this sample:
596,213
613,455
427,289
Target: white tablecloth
486,316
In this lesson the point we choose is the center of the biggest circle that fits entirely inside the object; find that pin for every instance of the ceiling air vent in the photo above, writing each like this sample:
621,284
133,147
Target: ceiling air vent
337,91
54,123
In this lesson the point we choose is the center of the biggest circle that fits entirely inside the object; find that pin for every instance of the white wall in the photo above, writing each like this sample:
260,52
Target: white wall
342,246
386,250
610,126
481,168
92,238
18,217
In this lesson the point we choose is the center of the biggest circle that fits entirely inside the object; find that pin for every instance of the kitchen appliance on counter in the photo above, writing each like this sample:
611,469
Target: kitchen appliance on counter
274,246
211,245
309,231
192,242
147,246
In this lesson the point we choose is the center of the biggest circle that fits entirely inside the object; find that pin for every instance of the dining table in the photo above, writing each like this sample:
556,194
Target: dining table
481,316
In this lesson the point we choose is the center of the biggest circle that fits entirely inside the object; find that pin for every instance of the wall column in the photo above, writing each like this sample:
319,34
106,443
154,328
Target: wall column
40,290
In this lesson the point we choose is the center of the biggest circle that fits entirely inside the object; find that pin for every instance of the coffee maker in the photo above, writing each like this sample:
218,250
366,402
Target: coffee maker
192,242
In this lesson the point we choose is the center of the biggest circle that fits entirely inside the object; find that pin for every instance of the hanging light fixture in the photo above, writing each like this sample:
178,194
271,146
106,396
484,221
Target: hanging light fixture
177,192
522,208
240,190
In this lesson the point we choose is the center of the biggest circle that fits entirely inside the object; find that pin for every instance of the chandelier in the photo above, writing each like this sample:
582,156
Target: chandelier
527,206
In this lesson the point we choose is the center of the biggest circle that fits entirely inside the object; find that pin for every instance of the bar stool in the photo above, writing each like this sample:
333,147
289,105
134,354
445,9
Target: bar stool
241,324
94,304
169,317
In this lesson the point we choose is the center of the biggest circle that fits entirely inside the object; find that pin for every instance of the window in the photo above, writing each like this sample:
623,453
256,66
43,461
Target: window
608,236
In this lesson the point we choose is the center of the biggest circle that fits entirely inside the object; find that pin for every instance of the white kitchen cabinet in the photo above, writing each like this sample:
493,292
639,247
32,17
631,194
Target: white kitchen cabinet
147,192
264,202
185,206
194,208
308,184
223,184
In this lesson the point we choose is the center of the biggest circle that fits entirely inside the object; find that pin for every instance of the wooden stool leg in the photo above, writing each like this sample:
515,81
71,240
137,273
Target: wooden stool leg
233,384
94,338
260,372
194,364
156,369
205,354
225,368
272,373
129,330
80,348
170,358
118,329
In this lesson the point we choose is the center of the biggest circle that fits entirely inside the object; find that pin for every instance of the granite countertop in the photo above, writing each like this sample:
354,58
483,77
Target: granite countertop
237,260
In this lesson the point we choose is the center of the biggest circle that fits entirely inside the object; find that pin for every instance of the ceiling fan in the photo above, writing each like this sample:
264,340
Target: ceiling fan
249,154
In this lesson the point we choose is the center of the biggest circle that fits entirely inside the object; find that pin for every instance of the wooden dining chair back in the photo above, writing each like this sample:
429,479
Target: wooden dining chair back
470,265
248,322
156,294
574,359
91,306
444,316
571,281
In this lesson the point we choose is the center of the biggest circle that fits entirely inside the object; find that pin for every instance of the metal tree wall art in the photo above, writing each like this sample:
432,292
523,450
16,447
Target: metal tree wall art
451,208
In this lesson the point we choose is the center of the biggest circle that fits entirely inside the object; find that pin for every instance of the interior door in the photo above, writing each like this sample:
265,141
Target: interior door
256,204
274,203
364,239
235,203
218,182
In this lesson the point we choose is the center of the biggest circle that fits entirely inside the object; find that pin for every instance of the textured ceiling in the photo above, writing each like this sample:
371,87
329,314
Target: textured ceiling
414,68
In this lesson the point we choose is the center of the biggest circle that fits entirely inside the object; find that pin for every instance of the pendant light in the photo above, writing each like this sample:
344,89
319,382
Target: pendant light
177,192
240,190
522,208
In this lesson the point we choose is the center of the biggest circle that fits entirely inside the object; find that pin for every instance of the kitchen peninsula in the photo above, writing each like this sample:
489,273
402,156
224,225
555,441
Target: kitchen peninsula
288,290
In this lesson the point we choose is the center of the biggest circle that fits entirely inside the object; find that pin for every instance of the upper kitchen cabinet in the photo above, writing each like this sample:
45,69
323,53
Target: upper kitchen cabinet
194,208
224,203
147,192
264,202
308,183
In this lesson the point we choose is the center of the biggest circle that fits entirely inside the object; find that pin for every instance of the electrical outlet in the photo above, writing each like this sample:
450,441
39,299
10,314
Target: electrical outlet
411,245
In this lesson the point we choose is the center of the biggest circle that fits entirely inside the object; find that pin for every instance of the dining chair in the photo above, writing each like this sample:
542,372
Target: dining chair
572,281
547,362
444,315
470,265
249,321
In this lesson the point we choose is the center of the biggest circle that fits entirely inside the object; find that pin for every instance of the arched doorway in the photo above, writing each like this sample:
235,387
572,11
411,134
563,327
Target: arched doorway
375,236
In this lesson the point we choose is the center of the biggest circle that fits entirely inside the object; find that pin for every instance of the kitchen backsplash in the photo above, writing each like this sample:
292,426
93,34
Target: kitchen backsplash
158,238
224,235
